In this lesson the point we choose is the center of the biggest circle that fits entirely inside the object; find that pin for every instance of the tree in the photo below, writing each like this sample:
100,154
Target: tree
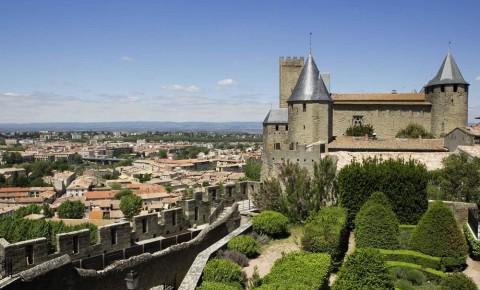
122,193
360,130
324,182
459,179
47,211
414,130
71,209
253,170
163,154
130,205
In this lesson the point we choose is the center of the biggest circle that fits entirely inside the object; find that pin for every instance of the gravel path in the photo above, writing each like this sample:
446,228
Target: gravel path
473,270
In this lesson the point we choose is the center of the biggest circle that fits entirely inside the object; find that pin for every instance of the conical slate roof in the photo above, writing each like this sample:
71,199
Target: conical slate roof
310,85
449,73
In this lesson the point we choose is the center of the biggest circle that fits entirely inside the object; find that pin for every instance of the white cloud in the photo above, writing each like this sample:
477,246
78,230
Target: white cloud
478,78
226,82
126,58
183,88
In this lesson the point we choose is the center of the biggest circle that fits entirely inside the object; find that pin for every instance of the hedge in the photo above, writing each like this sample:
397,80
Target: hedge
219,286
403,182
364,269
299,270
376,225
414,257
431,274
458,281
473,244
271,223
437,233
327,232
245,245
223,271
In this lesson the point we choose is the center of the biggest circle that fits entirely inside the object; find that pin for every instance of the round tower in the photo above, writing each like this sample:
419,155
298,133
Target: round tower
448,93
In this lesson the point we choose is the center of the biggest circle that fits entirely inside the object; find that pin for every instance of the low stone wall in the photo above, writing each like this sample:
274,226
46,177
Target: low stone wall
168,266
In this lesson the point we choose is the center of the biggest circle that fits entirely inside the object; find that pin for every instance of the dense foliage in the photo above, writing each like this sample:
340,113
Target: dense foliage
208,285
71,209
130,205
403,182
414,130
271,223
376,225
364,269
299,270
473,244
122,193
360,130
327,232
223,271
437,233
190,152
245,245
458,281
253,169
297,194
414,257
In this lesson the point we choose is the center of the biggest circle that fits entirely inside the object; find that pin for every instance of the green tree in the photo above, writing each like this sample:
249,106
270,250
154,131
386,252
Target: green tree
460,178
253,170
360,130
130,205
47,211
71,209
414,130
123,193
163,154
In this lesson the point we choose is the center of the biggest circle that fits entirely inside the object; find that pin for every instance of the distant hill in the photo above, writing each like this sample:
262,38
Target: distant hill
246,127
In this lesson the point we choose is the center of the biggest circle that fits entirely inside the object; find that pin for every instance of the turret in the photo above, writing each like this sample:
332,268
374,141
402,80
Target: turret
448,93
309,108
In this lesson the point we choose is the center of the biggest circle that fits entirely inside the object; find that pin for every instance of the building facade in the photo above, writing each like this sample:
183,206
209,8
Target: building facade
311,116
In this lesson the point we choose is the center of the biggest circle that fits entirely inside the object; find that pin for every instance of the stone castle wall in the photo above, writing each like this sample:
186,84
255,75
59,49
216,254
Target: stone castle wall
289,71
386,119
272,136
449,108
311,125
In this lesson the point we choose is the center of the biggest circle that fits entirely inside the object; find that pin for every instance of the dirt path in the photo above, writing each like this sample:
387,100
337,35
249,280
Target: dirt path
473,270
272,252
350,250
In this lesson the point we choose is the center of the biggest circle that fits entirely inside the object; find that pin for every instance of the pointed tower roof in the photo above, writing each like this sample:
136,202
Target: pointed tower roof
449,73
310,85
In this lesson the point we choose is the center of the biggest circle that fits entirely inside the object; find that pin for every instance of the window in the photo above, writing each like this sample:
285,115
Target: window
304,127
286,127
357,120
174,218
304,107
113,235
276,127
455,88
442,89
75,244
144,226
29,254
196,213
277,146
292,146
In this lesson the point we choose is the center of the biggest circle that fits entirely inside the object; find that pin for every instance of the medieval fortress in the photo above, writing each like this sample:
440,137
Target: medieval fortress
311,116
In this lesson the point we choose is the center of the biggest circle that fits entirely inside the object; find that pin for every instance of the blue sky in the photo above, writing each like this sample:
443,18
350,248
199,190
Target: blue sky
115,60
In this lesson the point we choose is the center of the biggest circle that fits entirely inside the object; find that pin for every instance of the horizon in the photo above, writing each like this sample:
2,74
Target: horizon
119,61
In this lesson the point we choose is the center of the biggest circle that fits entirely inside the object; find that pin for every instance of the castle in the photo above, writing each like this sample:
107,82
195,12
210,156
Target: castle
311,116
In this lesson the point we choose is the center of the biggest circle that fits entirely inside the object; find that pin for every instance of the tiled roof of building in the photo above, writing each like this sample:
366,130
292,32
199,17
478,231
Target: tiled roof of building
277,116
449,73
92,195
310,85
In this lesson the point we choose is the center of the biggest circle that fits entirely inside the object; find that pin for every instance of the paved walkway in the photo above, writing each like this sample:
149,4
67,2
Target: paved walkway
473,270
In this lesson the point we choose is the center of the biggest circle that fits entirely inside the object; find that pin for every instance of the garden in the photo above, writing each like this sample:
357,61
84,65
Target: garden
369,226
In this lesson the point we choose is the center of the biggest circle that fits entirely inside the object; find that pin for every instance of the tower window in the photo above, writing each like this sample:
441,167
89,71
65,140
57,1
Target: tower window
455,88
286,127
442,89
113,236
277,146
276,127
304,107
292,146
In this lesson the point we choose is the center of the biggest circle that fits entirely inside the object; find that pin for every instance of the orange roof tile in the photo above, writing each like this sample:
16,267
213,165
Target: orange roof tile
110,194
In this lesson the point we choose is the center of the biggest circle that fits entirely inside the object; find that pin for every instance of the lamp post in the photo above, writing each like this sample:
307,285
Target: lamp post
132,280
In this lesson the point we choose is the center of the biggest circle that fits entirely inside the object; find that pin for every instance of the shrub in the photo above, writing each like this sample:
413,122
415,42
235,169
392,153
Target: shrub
414,276
270,223
405,235
327,232
404,285
223,271
299,270
130,205
360,130
376,226
473,244
412,257
458,281
261,239
71,209
437,233
403,182
234,256
431,274
364,269
208,285
245,245
414,130
454,263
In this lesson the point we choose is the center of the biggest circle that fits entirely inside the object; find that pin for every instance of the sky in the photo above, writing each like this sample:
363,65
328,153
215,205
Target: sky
217,61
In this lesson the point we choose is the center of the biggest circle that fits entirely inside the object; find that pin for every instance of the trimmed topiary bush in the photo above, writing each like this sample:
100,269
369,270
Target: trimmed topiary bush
327,232
219,286
473,244
458,281
437,233
430,274
299,270
403,182
223,271
271,223
364,269
415,257
376,225
245,245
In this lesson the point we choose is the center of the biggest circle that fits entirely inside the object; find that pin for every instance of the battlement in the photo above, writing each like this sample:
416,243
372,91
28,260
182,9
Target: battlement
293,60
145,233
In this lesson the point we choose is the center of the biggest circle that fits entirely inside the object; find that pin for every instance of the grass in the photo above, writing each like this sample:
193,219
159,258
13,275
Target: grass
416,266
410,253
296,233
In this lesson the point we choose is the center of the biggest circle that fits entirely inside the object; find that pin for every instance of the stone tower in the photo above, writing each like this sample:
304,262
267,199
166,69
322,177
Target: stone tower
289,70
309,108
448,93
